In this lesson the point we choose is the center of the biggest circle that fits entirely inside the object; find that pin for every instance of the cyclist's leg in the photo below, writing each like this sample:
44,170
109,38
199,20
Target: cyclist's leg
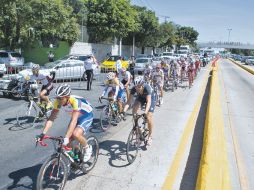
136,106
84,122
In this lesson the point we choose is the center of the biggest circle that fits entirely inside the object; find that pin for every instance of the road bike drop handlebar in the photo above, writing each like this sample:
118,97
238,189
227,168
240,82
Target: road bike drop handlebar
59,139
102,98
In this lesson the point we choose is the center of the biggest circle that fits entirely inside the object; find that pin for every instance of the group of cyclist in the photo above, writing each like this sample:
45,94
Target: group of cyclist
117,86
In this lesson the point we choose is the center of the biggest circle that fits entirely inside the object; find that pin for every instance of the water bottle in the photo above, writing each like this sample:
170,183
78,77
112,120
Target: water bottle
114,107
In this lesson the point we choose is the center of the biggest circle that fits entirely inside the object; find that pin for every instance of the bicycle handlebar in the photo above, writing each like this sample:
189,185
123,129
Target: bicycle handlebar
59,139
102,98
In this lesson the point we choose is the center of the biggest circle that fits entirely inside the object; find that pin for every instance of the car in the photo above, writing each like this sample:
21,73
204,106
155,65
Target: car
250,60
2,69
11,59
109,63
65,69
140,64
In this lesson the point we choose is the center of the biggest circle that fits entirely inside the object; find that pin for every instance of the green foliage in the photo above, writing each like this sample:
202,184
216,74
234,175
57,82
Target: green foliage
39,55
110,18
186,35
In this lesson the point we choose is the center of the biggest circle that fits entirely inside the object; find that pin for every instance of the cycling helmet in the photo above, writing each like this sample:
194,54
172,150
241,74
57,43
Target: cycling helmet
110,76
63,90
35,67
138,80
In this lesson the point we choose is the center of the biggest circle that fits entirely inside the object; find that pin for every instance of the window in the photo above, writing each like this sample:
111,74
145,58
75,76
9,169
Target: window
3,54
15,55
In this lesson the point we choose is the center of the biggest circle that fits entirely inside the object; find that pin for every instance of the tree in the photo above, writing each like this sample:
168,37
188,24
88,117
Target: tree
109,18
186,35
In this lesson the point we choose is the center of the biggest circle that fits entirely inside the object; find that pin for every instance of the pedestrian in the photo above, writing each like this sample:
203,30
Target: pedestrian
51,56
90,64
118,65
131,66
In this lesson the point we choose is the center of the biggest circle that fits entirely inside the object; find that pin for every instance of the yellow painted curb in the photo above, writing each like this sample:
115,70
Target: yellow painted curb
243,67
189,129
214,167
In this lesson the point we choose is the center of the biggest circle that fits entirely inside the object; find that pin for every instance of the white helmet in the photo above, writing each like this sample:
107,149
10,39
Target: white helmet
110,76
138,80
63,90
35,67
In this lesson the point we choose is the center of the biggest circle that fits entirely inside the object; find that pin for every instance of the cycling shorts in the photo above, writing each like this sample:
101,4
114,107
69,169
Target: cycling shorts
47,87
85,121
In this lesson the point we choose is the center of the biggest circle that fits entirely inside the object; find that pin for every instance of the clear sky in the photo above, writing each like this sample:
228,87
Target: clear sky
210,18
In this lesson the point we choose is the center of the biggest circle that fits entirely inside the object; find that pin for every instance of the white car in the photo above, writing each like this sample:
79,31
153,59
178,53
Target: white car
250,60
140,64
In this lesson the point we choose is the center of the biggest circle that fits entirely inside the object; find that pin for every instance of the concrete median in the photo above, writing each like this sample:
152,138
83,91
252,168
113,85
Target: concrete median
214,167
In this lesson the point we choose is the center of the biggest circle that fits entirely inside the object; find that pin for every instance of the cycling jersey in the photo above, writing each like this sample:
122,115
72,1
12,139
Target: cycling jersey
42,78
75,103
158,75
116,86
124,78
142,97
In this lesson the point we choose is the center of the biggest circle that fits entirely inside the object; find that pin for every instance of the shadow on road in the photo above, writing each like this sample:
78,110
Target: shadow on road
191,170
116,151
20,178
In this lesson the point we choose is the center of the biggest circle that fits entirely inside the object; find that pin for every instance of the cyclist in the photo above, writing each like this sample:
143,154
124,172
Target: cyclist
166,70
158,79
174,71
183,65
145,96
46,81
117,88
148,73
190,72
81,113
125,78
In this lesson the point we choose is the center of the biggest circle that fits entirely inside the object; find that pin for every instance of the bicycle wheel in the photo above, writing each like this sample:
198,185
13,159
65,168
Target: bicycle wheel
89,165
26,115
133,145
53,174
106,118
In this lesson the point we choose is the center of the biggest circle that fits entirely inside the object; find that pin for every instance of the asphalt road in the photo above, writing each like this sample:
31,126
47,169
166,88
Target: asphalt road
20,161
237,90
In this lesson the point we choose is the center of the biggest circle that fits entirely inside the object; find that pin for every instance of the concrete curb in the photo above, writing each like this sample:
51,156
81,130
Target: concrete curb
214,165
243,67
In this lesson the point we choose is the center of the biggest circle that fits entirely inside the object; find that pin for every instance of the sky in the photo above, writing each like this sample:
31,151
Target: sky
211,19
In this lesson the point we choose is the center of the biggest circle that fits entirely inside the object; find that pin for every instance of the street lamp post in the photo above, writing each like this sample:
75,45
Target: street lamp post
229,31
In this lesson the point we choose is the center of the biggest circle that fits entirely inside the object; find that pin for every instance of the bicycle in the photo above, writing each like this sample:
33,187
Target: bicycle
109,113
174,82
138,134
157,93
56,169
31,112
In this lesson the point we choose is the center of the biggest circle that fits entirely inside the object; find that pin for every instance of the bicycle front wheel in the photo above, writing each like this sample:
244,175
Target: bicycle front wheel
133,145
106,118
53,174
26,115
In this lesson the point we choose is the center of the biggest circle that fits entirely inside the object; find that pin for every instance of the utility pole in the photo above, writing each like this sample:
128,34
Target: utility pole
229,31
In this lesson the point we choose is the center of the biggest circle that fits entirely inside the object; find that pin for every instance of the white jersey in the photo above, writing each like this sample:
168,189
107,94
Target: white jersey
158,75
41,78
126,76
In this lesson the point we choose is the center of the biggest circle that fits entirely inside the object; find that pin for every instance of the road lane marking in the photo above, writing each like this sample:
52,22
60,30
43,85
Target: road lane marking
189,129
244,184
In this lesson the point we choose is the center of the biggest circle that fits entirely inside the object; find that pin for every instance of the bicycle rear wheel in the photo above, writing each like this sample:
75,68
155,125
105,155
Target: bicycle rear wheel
53,174
106,118
133,145
26,115
89,165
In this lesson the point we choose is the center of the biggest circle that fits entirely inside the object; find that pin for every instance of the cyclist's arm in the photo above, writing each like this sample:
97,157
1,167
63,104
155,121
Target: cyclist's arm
128,103
148,103
73,124
104,91
50,121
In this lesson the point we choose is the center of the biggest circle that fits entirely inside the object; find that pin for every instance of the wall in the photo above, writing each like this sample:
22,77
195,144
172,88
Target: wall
101,50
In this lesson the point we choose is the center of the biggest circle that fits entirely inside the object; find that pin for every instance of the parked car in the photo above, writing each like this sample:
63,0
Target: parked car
250,60
109,63
11,59
2,69
140,65
65,69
